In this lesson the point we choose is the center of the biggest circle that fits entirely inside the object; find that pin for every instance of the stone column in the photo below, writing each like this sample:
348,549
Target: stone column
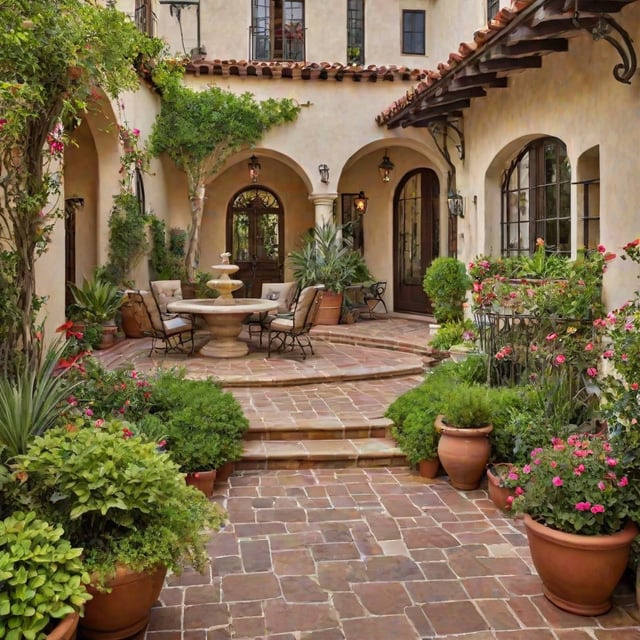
323,204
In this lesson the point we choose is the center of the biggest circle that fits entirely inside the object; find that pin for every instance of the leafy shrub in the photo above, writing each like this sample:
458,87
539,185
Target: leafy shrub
203,425
446,283
42,577
451,333
467,406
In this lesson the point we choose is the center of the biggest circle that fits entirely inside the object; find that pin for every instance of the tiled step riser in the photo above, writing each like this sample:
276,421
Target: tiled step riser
318,434
292,464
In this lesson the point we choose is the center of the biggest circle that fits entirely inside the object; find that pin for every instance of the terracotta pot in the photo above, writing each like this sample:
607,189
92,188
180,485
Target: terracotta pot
65,629
132,320
125,610
429,468
499,494
463,453
202,480
223,473
330,308
579,573
108,336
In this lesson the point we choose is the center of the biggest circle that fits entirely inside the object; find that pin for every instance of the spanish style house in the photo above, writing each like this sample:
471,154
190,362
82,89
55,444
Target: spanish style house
471,126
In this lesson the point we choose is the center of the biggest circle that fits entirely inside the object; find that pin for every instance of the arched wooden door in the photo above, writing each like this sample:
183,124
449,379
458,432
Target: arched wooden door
255,237
415,238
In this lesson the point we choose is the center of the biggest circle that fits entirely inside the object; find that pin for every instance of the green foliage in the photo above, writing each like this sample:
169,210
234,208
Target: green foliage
451,333
467,406
97,300
167,254
127,237
42,578
53,55
446,283
203,425
327,257
116,497
201,130
30,401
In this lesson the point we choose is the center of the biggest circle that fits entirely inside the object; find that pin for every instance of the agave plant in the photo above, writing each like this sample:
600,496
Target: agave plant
97,300
32,402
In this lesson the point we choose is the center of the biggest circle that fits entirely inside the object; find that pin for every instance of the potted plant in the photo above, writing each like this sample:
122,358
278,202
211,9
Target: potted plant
327,257
465,425
446,283
97,302
126,505
202,425
418,440
579,505
42,580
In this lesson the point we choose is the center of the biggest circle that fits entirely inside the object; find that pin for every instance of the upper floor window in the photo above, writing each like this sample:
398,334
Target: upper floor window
277,30
413,32
536,199
144,17
355,32
493,6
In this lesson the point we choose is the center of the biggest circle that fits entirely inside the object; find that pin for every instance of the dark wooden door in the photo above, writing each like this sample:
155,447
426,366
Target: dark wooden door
255,233
416,230
71,205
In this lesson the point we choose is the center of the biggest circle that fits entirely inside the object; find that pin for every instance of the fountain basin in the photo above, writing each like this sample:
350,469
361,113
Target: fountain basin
224,321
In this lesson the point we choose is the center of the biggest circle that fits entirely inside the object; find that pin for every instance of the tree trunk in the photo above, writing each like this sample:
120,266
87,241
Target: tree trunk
193,253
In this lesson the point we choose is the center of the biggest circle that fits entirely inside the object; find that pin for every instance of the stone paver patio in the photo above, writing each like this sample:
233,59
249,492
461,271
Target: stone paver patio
357,553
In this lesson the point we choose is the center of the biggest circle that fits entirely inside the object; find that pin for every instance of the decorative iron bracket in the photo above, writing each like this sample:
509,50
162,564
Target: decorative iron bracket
606,28
442,129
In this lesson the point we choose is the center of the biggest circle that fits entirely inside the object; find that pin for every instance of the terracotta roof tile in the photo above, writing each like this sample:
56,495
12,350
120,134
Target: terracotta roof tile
305,70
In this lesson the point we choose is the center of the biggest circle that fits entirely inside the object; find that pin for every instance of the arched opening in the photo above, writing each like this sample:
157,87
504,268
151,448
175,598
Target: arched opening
255,237
416,231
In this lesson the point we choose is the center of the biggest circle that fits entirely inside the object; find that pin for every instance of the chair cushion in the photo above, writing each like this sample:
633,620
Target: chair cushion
166,291
281,324
283,292
152,309
177,324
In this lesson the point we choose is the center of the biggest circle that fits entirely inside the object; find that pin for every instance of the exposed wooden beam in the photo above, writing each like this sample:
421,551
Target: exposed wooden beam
429,113
597,6
489,80
528,47
461,94
511,64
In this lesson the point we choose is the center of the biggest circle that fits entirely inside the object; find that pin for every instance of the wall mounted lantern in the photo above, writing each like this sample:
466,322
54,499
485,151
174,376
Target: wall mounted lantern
360,203
455,204
386,167
324,173
254,169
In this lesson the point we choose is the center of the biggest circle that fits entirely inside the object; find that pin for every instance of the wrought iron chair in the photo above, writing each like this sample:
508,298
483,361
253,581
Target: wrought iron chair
174,331
286,331
284,293
373,296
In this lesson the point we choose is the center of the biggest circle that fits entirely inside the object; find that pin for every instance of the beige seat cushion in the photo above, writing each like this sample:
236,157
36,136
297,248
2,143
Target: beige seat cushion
166,291
283,292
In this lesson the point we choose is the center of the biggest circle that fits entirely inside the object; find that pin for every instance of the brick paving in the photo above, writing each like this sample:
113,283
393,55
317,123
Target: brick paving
356,553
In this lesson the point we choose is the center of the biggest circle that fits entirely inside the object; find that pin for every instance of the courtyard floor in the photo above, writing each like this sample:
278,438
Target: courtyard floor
356,553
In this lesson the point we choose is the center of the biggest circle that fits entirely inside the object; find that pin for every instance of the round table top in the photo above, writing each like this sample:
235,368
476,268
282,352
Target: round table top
215,306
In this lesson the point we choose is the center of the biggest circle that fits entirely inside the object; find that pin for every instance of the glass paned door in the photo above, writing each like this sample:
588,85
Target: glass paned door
255,233
416,228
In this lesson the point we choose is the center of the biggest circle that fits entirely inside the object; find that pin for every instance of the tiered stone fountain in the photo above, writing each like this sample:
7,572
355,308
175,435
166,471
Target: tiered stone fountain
224,314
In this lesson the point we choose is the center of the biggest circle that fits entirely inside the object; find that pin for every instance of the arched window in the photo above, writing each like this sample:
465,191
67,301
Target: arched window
536,199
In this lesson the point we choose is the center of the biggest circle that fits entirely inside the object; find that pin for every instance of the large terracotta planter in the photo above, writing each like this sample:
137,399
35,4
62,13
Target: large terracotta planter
125,610
65,629
463,453
202,480
579,573
330,308
499,495
223,473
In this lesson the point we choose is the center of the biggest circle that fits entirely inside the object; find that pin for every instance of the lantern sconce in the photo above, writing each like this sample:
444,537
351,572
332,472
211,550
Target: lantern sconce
455,203
254,169
324,173
386,167
360,203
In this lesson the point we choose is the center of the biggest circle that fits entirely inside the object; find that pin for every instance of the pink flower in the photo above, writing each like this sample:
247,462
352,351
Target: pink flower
526,468
88,412
601,485
553,464
588,346
560,359
519,491
127,433
601,248
534,348
579,470
557,481
623,482
592,372
3,121
597,508
634,386
583,506
611,462
552,336
608,353
98,423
